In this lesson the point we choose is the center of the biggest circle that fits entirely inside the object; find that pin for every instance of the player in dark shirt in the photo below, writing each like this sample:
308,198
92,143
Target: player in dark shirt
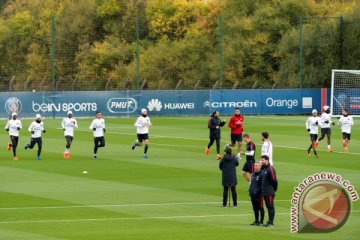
255,195
269,185
250,158
214,124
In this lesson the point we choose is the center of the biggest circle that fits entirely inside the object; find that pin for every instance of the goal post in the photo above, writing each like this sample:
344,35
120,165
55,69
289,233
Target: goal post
345,91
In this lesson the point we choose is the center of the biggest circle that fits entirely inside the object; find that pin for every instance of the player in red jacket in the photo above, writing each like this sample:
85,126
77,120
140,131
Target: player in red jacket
236,125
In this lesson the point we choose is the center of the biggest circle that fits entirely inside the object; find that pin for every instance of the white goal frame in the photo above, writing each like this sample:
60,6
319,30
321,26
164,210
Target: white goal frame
338,104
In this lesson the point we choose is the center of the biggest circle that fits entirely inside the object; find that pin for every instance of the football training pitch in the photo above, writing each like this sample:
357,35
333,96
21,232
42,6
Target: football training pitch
174,194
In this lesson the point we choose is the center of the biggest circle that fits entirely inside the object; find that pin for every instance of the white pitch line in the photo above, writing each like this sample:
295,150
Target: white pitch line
135,218
279,146
300,148
174,145
151,135
202,139
131,218
124,205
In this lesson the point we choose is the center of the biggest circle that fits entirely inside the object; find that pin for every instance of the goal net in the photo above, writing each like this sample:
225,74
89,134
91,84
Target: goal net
345,91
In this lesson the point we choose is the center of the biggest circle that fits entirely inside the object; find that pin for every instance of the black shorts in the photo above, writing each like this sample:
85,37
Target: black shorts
313,137
34,141
99,140
14,140
326,131
236,138
248,167
142,137
346,135
69,138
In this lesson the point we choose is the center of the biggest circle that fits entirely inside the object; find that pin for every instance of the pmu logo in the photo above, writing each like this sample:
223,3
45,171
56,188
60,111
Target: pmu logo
154,105
321,203
121,105
13,104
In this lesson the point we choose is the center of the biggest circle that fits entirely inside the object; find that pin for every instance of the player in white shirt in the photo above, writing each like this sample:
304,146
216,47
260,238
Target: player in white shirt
325,124
98,127
267,147
312,126
346,122
68,125
142,125
36,128
13,126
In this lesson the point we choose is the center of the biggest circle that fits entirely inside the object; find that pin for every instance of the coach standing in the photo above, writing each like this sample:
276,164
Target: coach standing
255,195
228,166
269,186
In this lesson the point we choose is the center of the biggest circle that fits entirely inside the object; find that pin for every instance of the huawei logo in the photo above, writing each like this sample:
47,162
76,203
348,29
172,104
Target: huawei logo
154,105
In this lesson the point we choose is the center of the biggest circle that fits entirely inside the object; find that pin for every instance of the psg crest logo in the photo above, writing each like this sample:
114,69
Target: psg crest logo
13,104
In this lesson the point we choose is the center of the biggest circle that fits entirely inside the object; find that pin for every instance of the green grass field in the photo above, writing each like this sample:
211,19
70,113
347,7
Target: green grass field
175,194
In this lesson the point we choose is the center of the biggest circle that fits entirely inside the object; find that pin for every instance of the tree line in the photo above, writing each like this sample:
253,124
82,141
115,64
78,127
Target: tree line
93,44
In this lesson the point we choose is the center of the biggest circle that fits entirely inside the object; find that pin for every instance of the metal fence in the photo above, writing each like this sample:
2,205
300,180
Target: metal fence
227,57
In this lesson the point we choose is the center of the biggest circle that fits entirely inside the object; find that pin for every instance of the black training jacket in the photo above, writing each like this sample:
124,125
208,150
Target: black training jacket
255,185
212,124
228,166
269,181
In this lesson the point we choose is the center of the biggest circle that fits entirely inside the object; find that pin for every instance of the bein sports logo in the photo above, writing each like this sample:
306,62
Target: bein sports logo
154,105
13,104
321,203
121,105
